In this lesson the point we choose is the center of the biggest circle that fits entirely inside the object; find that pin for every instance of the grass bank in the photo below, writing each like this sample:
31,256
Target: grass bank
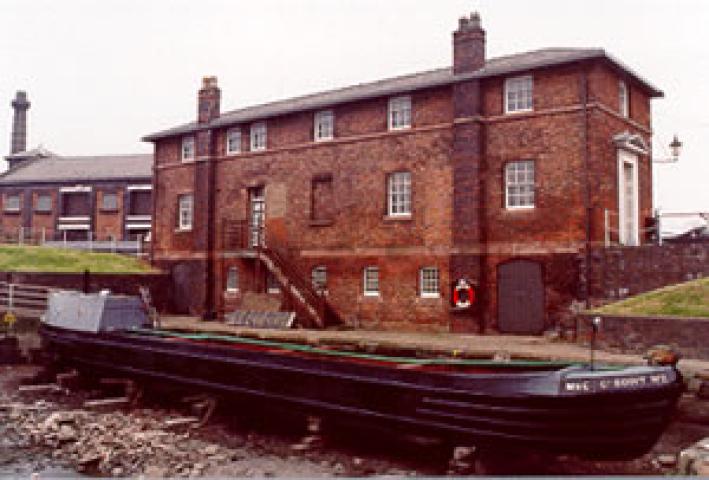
45,259
689,299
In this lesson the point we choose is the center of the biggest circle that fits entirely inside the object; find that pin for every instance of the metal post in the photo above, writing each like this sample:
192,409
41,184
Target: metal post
21,236
658,222
64,232
91,241
10,296
139,244
113,244
44,235
606,227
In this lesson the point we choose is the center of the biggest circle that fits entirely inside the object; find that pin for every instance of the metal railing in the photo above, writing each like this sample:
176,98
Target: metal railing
653,229
27,301
80,240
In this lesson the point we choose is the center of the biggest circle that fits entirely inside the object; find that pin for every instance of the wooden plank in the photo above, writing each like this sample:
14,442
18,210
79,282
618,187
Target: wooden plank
106,402
45,387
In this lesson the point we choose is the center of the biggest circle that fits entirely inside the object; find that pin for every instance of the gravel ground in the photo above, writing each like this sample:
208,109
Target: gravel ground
50,433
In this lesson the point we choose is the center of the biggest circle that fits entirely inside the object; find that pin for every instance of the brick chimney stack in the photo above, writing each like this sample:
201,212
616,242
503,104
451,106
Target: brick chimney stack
19,123
468,45
208,100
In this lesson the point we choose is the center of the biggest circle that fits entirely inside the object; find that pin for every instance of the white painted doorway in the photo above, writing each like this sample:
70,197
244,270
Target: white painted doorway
628,222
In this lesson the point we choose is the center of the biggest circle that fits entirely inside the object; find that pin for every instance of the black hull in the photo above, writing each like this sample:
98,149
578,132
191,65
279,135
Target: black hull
529,411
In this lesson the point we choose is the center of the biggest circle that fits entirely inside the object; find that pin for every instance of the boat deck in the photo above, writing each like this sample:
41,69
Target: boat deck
436,344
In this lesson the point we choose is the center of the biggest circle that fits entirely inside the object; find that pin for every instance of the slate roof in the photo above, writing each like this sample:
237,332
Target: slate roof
56,169
407,83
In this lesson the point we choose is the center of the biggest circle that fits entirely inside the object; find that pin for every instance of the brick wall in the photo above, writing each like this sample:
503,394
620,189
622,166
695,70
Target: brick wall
127,284
622,271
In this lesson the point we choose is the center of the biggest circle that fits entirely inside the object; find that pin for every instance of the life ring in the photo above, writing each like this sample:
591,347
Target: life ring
463,294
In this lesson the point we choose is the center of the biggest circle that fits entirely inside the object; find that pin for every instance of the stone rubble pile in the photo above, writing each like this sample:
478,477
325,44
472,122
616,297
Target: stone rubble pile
115,443
695,459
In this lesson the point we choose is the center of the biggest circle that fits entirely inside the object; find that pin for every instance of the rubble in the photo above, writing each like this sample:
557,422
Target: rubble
695,459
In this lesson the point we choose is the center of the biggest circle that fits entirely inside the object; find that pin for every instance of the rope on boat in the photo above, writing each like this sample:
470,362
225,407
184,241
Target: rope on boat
366,356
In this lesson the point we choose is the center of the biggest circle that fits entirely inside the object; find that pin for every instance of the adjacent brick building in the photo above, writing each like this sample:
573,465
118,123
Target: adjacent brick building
45,196
497,171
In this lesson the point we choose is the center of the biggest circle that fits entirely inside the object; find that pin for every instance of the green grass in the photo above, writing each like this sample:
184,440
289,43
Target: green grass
44,259
690,299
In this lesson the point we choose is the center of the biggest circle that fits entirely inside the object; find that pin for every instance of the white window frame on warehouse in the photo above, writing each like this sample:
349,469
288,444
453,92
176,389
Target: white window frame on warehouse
400,112
188,148
324,126
185,212
520,185
519,94
318,278
233,141
399,196
15,205
232,280
370,281
258,137
44,208
623,99
430,282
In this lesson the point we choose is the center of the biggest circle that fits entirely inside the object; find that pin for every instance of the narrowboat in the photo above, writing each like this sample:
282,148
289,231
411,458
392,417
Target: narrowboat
599,412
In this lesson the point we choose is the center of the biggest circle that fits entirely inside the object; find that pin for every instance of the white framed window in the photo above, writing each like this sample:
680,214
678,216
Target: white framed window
232,280
184,211
430,282
519,184
324,126
12,203
400,112
623,99
318,278
109,202
399,194
519,94
187,149
233,141
44,203
258,136
371,281
272,284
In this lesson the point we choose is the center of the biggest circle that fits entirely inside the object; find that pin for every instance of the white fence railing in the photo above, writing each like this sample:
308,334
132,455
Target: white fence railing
87,240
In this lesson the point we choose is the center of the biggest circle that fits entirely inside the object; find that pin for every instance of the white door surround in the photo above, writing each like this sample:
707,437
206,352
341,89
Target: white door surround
628,212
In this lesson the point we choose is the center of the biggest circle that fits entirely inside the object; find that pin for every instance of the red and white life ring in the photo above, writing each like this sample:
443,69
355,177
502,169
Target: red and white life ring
463,294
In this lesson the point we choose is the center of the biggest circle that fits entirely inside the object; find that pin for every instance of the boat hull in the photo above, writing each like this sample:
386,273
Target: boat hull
567,411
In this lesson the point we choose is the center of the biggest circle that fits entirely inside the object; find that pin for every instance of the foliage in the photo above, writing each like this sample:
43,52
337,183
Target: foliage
45,259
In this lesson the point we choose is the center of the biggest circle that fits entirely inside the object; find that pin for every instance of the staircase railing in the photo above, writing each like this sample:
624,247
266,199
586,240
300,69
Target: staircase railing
241,235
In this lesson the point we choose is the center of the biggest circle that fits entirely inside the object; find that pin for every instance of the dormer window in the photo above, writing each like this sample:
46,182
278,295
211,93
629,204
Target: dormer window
324,127
400,112
187,149
518,94
258,136
233,141
623,99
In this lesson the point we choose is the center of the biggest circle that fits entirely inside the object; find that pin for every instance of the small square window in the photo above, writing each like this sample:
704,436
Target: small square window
258,136
187,149
185,212
519,94
233,141
44,203
430,283
319,279
399,194
12,203
623,99
399,112
371,281
324,126
109,202
519,184
232,280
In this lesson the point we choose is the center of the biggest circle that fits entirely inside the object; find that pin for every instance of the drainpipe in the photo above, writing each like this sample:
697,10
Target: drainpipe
587,188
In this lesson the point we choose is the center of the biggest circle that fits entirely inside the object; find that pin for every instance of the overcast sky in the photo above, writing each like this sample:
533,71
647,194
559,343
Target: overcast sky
100,74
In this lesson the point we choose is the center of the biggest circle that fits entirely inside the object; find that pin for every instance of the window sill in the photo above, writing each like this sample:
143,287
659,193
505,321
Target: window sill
515,112
321,223
188,160
231,293
233,154
183,230
398,218
323,139
520,209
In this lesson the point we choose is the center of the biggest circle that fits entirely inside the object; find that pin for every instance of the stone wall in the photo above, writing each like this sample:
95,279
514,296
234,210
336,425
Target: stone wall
636,334
125,283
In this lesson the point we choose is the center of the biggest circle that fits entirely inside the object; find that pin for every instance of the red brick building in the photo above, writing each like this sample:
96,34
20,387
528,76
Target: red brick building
497,171
45,197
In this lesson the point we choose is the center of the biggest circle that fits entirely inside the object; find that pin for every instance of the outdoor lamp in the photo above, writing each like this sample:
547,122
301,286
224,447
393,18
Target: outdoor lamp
675,151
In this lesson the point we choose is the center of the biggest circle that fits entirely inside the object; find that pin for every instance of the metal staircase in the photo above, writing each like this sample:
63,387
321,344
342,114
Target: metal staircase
311,306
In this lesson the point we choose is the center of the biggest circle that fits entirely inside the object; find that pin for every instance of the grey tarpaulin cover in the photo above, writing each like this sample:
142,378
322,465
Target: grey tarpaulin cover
94,312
